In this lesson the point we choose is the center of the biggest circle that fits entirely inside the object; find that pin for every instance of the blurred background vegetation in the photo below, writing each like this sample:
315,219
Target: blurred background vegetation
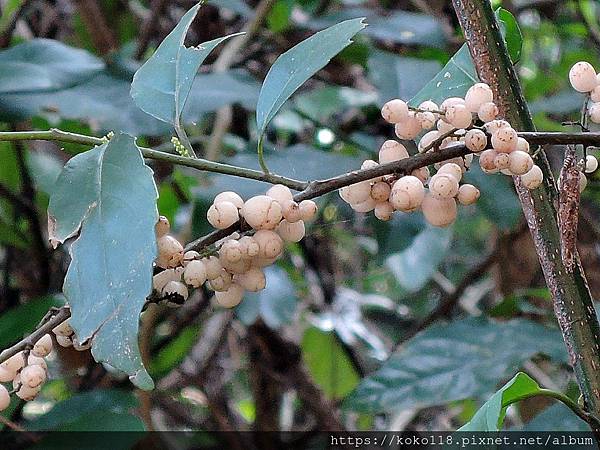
364,324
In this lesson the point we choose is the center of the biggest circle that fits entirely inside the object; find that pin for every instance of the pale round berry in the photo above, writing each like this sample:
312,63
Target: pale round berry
170,252
33,360
522,145
356,193
222,215
487,160
43,347
591,164
280,193
520,162
175,287
291,211
162,227
291,232
263,262
229,196
63,329
439,212
502,161
64,341
221,283
14,363
583,181
160,279
583,77
430,106
476,140
368,164
189,257
269,243
253,280
451,101
308,210
427,140
28,394
595,94
230,297
407,194
422,174
384,211
262,212
364,207
452,169
444,127
505,140
395,111
249,246
195,274
392,151
459,116
426,120
533,178
443,185
495,125
82,347
488,112
408,129
240,266
213,267
4,398
230,251
594,112
477,95
33,376
468,194
380,191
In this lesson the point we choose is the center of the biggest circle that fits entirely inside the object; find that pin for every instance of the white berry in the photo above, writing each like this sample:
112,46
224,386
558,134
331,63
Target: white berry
195,273
476,140
269,243
439,212
407,194
459,116
14,363
64,341
488,112
308,210
505,140
452,169
222,282
26,393
443,185
43,347
427,140
230,197
594,112
33,360
291,211
253,280
477,95
583,77
408,129
533,178
170,252
395,111
222,215
468,194
502,161
487,160
4,398
380,191
291,232
33,376
364,207
160,279
392,151
162,227
280,193
63,329
356,193
249,246
384,211
213,267
230,297
591,164
175,287
262,212
230,251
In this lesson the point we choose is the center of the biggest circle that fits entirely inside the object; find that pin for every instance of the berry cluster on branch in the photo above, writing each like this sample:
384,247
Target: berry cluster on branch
238,261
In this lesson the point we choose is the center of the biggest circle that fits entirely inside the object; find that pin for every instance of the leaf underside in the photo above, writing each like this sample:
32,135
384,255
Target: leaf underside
108,196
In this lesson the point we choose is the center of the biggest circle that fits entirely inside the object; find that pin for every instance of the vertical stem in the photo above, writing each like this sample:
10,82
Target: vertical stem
570,293
261,155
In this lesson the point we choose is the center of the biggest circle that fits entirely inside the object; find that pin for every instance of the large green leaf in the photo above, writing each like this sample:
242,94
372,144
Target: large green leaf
98,410
462,359
45,65
275,305
108,195
298,64
414,266
328,363
162,85
490,416
459,74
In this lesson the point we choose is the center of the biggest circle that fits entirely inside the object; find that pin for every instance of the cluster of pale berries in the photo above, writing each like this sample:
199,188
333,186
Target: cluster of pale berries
275,218
28,371
471,121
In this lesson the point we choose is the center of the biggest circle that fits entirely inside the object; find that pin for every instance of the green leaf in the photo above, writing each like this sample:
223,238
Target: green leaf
490,416
298,64
459,74
328,363
414,266
448,362
17,321
324,103
162,85
45,65
108,195
275,305
512,33
98,410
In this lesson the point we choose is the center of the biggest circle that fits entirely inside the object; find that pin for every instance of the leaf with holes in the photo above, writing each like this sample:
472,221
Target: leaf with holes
298,64
108,196
162,85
